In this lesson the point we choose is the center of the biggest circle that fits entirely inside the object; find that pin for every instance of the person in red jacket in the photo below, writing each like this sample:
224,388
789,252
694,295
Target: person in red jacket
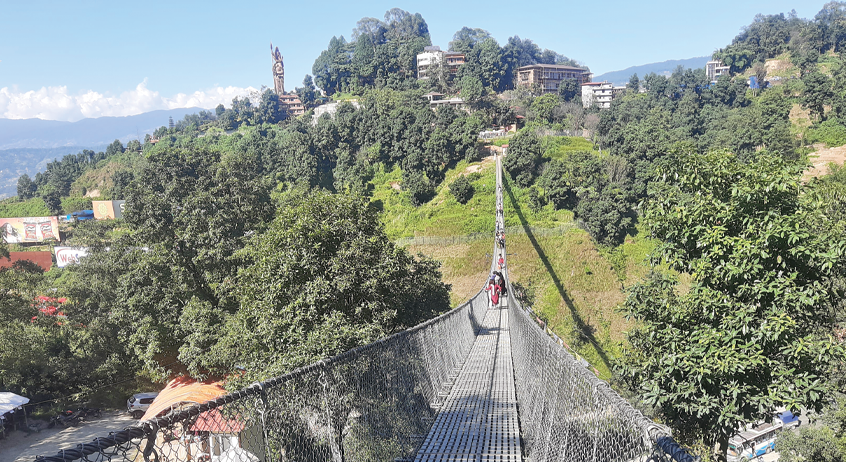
493,296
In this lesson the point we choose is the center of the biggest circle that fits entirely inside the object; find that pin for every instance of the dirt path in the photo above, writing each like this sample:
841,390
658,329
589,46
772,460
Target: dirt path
20,447
822,157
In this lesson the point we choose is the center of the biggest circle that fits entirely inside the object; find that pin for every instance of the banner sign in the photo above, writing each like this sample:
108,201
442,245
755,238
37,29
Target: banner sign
108,210
67,255
32,229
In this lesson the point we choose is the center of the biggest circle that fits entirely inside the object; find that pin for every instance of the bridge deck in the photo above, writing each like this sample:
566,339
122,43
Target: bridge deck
478,421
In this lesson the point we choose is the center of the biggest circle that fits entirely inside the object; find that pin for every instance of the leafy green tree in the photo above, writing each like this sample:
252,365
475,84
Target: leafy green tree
191,209
753,332
816,444
115,148
53,201
465,39
307,93
832,22
634,84
605,214
523,158
418,187
268,111
461,189
543,106
120,182
536,201
323,279
26,187
484,61
817,93
471,89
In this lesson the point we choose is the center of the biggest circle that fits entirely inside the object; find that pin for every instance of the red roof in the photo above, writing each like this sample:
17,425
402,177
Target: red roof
44,259
212,421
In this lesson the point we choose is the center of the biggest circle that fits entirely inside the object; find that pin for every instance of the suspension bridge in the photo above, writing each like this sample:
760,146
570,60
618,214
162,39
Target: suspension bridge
480,383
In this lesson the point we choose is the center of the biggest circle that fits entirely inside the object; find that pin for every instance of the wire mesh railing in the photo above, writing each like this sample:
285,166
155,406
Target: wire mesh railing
378,402
569,414
373,403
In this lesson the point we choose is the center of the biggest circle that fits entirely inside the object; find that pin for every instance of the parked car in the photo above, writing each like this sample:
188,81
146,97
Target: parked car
137,405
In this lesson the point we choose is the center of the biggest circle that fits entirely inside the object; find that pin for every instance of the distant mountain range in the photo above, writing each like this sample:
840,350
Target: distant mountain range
26,145
663,68
38,133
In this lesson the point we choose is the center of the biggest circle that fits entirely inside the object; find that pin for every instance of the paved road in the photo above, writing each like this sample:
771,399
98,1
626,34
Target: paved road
23,447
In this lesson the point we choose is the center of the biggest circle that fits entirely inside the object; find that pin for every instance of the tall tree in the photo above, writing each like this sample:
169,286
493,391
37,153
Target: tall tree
323,279
523,157
26,187
817,93
753,332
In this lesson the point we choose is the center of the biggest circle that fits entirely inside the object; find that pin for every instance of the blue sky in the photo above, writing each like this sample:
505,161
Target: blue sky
66,60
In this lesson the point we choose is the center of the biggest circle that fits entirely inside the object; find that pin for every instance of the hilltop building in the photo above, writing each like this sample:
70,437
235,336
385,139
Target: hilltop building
432,56
550,76
714,69
600,94
436,100
287,101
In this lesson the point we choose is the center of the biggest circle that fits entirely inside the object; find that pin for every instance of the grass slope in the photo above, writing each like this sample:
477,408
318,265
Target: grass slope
575,285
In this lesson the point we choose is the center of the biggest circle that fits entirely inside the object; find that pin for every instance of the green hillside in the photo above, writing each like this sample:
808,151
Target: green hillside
573,284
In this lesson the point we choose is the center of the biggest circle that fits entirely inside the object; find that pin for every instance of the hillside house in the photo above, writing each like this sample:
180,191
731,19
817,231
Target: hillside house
549,76
600,94
432,56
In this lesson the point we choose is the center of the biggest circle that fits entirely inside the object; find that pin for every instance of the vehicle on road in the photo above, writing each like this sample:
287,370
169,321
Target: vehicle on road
137,405
754,441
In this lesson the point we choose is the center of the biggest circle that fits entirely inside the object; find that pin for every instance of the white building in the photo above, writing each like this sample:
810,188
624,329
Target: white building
600,93
432,56
714,69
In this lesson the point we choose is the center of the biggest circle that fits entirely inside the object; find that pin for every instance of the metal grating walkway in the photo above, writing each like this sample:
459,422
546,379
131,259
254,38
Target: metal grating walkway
478,421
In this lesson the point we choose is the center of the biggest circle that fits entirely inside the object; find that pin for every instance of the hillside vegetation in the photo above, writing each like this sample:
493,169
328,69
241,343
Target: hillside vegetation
254,238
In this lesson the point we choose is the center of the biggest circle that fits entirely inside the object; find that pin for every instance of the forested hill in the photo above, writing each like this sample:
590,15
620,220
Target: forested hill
664,68
258,242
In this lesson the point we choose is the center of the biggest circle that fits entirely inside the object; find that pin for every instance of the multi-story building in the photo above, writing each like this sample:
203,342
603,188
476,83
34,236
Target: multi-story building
714,69
600,94
291,102
549,76
432,56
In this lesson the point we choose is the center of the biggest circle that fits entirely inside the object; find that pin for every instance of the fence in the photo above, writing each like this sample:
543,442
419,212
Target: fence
567,413
473,237
373,403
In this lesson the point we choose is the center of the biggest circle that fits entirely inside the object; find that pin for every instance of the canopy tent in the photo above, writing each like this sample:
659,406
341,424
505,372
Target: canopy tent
10,401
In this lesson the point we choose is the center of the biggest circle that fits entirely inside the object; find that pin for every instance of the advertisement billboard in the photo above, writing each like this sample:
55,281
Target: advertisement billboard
67,255
108,210
31,229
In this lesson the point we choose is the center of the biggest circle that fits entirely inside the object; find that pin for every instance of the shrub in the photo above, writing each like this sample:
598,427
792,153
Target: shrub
419,188
832,132
462,189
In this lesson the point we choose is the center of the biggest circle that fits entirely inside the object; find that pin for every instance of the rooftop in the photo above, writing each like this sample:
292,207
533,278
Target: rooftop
552,66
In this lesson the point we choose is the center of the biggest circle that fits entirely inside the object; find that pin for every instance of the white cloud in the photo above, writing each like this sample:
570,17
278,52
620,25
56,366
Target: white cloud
55,103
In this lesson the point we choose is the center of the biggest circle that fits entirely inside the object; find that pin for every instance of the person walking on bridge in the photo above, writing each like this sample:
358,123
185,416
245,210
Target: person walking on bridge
493,295
500,281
